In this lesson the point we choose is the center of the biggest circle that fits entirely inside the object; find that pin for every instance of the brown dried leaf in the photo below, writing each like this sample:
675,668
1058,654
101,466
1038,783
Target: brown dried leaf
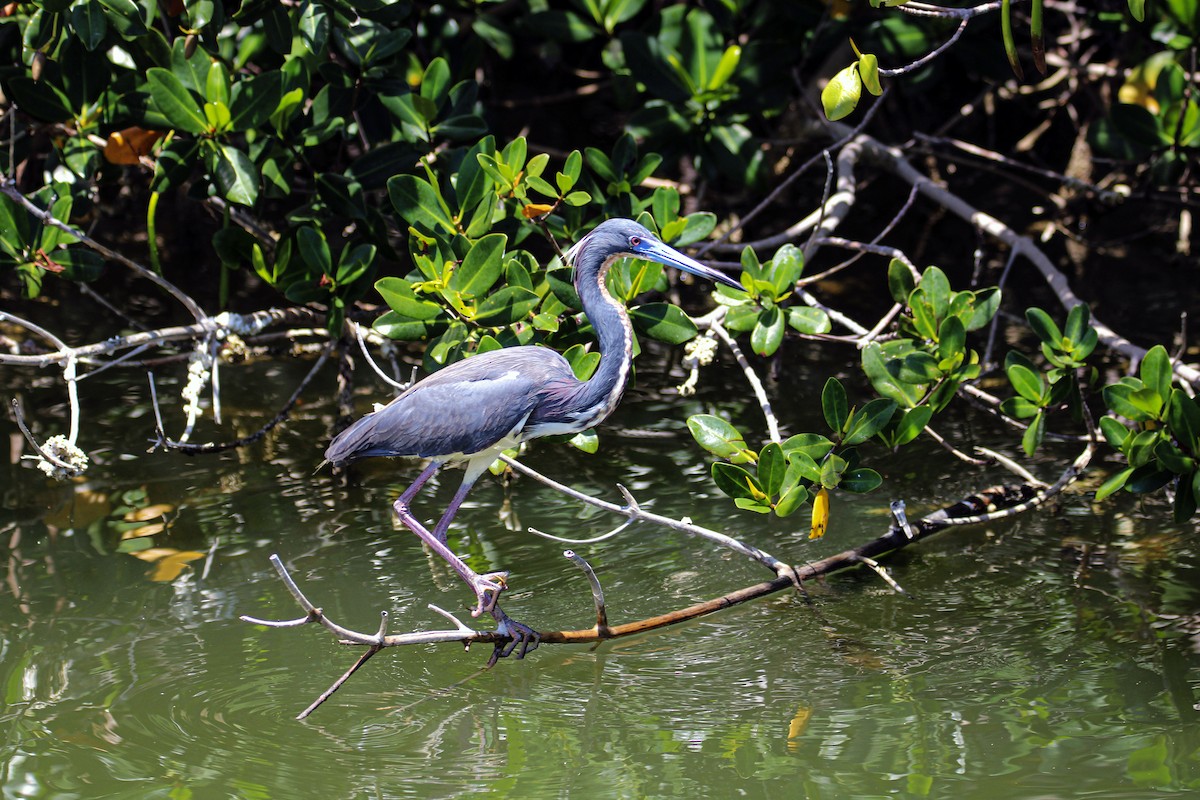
129,145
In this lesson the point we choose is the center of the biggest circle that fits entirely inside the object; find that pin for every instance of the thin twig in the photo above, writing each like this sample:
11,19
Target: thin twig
751,376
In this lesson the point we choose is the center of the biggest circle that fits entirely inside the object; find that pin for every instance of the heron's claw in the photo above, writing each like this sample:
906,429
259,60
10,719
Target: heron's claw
522,638
487,590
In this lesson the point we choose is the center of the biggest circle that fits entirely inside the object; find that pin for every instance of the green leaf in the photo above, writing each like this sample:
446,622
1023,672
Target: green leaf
841,94
747,504
175,102
14,226
1114,483
717,436
253,101
884,373
868,68
237,177
768,333
1183,415
1149,478
587,441
481,266
900,281
834,405
935,287
1185,499
860,481
987,303
419,203
1019,408
771,468
736,481
1156,371
87,18
125,17
813,445
952,338
1043,326
785,269
725,67
1114,432
583,362
809,320
791,501
435,84
911,423
400,297
868,421
506,306
41,99
663,321
696,227
314,26
79,264
1132,400
832,469
1026,382
314,250
1077,322
1034,434
800,467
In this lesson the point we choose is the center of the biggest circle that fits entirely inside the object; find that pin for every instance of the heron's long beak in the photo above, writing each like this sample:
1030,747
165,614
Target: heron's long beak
665,254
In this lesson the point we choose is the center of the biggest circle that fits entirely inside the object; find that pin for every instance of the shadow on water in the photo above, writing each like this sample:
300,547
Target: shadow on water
1031,659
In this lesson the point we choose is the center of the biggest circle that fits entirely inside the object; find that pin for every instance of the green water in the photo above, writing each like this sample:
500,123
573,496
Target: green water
1029,659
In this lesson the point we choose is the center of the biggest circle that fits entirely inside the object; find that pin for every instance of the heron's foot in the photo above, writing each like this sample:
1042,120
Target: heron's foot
522,638
488,588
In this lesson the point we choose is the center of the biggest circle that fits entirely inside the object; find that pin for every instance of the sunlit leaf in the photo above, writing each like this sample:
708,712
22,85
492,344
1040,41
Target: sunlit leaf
820,515
841,94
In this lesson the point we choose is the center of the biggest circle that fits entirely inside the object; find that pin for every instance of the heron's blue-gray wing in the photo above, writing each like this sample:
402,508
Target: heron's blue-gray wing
464,408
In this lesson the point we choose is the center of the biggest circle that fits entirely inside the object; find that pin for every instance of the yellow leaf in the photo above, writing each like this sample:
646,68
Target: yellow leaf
535,210
144,530
149,512
168,562
797,727
129,145
820,515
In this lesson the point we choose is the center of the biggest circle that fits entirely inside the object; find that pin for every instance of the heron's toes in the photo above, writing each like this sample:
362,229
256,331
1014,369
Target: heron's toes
522,638
487,589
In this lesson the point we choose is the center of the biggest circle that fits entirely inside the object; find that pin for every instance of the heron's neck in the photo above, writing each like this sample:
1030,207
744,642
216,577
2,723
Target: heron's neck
614,334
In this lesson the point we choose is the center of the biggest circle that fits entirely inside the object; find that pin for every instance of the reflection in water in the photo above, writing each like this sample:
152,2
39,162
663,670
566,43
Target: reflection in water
1028,660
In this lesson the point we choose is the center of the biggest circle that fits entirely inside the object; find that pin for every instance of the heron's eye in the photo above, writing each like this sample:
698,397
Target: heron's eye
634,241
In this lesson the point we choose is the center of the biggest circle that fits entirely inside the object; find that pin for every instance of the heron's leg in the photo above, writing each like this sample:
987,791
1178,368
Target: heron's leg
488,587
443,525
413,489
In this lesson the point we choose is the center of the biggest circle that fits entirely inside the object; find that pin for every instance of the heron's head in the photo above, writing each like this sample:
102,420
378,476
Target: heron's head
624,237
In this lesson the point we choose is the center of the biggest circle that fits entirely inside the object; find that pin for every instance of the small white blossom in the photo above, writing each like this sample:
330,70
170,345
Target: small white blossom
702,350
60,447
197,379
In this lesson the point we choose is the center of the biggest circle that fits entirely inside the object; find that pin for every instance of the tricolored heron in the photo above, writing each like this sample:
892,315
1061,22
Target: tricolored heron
473,409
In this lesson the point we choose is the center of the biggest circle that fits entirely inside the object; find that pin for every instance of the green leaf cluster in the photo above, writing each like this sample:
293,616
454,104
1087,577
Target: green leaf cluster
1161,441
35,251
930,359
782,477
764,309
